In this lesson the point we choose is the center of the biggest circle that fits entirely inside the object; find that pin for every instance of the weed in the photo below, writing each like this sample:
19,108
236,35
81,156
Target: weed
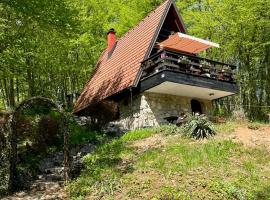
227,190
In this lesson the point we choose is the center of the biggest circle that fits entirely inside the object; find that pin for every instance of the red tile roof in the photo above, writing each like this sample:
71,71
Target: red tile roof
119,72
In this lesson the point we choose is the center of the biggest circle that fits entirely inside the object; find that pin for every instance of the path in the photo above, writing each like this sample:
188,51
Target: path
49,184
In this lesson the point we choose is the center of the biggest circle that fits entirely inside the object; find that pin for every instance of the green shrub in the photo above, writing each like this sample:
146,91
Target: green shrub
199,127
83,134
221,111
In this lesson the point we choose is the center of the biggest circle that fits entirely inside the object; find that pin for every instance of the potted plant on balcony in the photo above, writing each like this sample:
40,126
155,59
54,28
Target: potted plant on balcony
183,59
227,69
205,64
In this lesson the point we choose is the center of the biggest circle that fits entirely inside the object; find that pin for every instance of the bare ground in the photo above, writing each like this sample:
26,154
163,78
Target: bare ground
148,143
250,137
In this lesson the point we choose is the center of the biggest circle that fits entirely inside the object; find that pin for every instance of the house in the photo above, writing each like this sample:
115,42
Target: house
154,74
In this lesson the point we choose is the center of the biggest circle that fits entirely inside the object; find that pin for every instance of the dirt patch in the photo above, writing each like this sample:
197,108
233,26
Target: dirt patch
252,138
155,141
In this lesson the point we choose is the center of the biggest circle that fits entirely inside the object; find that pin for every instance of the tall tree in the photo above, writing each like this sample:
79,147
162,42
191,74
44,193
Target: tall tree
242,28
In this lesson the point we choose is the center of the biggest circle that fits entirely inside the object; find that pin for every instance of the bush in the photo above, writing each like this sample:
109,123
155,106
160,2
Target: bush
83,134
199,127
3,171
4,152
3,182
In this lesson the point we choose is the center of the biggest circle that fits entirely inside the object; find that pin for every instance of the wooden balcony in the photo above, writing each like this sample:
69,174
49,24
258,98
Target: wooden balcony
188,64
171,72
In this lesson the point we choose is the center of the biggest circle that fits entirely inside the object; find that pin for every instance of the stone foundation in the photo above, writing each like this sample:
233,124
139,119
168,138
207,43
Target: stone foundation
151,109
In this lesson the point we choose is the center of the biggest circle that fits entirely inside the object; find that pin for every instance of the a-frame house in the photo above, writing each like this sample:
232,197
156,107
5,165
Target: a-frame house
154,75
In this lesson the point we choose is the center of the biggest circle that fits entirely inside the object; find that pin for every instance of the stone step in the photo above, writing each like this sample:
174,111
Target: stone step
32,195
50,177
54,170
37,196
47,185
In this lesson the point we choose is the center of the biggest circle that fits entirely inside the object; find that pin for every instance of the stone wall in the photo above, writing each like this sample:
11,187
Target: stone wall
150,109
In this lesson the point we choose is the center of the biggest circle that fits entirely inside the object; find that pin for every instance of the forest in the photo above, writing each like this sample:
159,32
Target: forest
49,48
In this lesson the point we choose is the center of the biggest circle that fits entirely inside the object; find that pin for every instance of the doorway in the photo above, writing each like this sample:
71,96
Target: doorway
196,106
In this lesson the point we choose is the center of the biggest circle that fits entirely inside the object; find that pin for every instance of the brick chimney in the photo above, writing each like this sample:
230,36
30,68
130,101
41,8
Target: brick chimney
111,37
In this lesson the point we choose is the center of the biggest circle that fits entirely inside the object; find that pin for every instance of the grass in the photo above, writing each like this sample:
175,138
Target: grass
181,169
227,127
137,134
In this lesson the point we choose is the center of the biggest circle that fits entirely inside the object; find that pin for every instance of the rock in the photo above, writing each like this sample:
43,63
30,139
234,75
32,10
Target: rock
86,149
82,121
46,197
21,194
113,128
76,168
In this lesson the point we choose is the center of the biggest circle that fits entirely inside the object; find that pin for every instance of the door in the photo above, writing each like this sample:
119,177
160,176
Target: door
196,106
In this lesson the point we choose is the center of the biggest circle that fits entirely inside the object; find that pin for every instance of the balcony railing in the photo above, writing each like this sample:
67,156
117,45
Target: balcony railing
188,64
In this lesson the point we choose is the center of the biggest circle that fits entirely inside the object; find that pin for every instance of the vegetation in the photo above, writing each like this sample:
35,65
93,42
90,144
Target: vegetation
169,129
50,47
4,152
3,171
80,135
199,127
137,166
240,27
35,127
137,134
231,125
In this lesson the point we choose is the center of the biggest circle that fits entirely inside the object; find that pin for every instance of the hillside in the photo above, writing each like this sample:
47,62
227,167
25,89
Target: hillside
160,164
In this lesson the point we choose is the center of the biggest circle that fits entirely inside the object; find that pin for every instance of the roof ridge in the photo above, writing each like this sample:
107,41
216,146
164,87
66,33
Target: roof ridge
142,20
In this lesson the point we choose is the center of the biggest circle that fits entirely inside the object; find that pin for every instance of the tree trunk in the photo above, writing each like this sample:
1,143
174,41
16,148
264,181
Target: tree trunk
11,93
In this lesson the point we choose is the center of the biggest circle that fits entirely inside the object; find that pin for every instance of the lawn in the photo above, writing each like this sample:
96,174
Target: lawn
151,164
